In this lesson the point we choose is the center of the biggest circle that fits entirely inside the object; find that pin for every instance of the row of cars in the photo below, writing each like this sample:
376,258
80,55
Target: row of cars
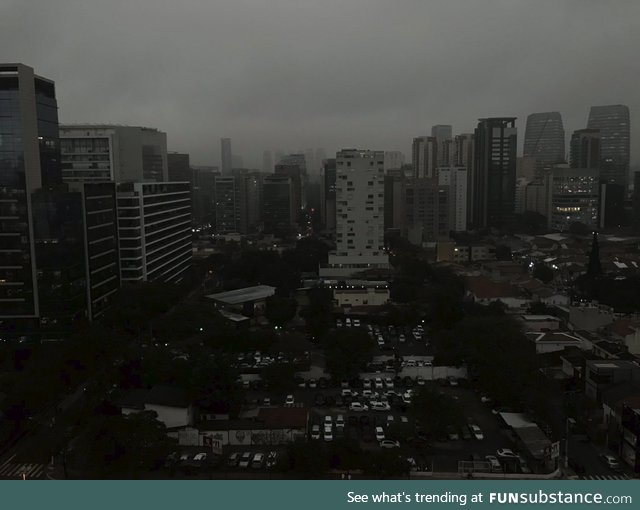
253,460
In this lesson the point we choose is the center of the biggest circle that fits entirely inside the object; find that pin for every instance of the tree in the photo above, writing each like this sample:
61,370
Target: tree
542,272
347,352
280,310
387,464
308,459
435,411
120,446
279,376
579,229
319,314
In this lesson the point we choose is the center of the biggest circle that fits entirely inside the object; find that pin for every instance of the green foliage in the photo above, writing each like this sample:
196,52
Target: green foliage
435,411
319,314
347,352
543,272
279,376
308,459
280,310
387,464
120,446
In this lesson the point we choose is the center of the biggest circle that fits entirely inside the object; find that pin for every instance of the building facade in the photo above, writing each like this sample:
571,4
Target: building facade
494,172
575,197
96,153
544,139
154,229
359,214
613,122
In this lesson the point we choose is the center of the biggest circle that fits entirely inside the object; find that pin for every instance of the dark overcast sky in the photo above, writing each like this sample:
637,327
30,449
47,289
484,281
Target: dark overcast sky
292,74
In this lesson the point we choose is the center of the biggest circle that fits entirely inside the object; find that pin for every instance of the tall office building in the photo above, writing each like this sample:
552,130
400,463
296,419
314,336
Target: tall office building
359,214
279,214
154,229
544,139
441,131
424,156
96,153
267,162
393,160
328,195
226,157
575,197
227,192
179,167
585,148
321,156
614,125
463,156
427,210
29,160
455,178
495,172
294,166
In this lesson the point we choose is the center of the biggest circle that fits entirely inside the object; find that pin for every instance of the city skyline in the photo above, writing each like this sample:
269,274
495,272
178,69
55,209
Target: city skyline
242,93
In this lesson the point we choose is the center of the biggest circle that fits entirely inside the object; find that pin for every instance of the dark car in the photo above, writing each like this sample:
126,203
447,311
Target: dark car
352,421
330,401
340,402
364,420
408,382
323,382
319,400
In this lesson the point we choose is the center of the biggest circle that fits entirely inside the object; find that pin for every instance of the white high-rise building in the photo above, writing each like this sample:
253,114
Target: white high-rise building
456,178
359,214
393,160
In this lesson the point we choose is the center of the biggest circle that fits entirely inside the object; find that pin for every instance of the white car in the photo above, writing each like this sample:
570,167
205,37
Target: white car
389,382
289,401
340,421
379,406
328,433
495,465
476,431
358,407
366,384
356,322
401,338
315,432
388,443
328,420
380,434
379,384
200,457
367,394
506,452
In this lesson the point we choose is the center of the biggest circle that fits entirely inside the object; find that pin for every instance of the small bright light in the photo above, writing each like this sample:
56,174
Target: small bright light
201,329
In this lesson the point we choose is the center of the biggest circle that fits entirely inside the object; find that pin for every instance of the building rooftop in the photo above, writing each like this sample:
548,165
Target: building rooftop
246,295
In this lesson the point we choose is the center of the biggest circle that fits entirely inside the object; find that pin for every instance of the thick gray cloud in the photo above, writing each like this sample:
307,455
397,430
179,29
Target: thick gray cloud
291,74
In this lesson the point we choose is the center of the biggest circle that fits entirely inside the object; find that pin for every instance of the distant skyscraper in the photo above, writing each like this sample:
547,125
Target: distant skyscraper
267,162
424,156
393,160
585,148
441,131
321,156
463,155
456,180
359,214
426,205
227,204
575,197
614,125
96,153
179,167
544,139
294,166
494,185
226,157
328,195
278,209
278,157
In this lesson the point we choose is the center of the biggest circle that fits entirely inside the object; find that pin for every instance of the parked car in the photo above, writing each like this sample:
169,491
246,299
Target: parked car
315,432
340,421
328,420
493,461
611,462
452,434
245,460
289,401
319,400
200,457
233,459
358,407
506,453
380,433
477,433
258,461
466,435
380,406
328,433
388,443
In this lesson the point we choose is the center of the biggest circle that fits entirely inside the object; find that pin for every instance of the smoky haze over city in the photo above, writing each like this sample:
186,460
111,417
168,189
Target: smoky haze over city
329,240
288,74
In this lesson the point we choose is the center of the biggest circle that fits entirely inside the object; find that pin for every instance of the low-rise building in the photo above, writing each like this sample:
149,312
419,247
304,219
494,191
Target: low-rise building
552,341
172,405
248,301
